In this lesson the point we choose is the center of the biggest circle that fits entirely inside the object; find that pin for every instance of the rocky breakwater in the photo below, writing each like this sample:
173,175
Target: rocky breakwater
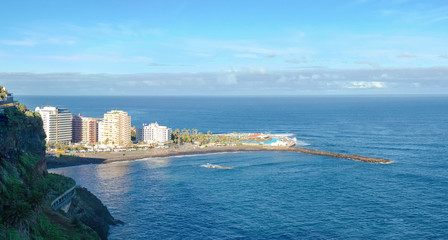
288,144
339,155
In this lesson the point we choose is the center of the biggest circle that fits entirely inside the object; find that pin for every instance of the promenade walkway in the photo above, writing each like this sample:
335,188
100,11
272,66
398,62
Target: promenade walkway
63,198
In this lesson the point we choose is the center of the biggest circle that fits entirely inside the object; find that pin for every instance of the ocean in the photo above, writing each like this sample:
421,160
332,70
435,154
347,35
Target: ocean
279,195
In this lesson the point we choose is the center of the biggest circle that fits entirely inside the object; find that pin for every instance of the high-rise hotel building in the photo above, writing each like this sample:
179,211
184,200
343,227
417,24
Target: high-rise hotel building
57,123
153,133
116,128
85,129
76,128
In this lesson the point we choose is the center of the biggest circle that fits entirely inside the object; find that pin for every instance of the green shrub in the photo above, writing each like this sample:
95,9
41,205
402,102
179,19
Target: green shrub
12,234
47,230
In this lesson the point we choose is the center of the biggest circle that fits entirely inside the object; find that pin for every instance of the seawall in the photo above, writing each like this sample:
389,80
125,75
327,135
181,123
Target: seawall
339,155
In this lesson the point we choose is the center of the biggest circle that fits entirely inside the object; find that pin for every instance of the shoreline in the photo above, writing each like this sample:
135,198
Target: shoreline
108,157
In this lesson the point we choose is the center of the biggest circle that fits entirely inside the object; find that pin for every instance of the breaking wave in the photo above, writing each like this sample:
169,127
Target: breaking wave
301,142
283,134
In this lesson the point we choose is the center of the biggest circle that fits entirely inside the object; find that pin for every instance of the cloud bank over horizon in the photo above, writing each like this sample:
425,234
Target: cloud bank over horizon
248,82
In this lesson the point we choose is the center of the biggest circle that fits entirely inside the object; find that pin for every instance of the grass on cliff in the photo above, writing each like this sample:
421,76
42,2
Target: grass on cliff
20,196
52,225
30,209
26,190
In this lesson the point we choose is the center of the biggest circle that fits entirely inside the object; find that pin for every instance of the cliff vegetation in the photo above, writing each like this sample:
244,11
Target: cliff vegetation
3,93
26,189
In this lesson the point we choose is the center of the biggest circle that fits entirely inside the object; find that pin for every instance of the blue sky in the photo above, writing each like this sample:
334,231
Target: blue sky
224,47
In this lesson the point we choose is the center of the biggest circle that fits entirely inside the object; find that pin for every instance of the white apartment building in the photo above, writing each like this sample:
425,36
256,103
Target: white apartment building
153,133
116,128
101,131
57,123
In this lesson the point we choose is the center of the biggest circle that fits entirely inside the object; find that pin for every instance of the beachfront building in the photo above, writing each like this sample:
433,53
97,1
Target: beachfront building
76,128
153,133
85,129
101,131
57,123
116,128
89,130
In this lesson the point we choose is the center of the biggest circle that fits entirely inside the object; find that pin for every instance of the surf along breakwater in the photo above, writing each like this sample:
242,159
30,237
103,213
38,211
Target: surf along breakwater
339,155
285,143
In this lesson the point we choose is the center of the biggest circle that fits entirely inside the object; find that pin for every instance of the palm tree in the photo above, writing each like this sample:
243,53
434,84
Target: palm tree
175,136
195,134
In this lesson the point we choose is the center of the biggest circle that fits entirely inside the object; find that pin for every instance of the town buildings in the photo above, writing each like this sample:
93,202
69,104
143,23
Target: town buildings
89,130
61,127
116,128
153,133
77,128
57,123
85,129
101,131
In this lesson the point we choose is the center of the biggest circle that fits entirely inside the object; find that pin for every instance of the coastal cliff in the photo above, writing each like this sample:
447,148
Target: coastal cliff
26,189
88,209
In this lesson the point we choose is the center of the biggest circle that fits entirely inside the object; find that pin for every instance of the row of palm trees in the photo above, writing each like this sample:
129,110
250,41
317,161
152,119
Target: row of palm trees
191,136
194,136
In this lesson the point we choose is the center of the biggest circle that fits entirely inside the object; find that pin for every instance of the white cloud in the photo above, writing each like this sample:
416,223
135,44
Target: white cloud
227,79
363,84
251,81
268,47
406,55
151,83
384,75
303,77
282,80
444,56
259,70
423,16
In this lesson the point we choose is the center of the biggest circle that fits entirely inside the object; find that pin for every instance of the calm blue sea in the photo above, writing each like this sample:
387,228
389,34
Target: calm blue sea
279,195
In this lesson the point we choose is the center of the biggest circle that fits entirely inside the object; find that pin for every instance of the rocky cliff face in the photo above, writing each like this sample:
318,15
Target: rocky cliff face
88,209
22,165
21,133
26,188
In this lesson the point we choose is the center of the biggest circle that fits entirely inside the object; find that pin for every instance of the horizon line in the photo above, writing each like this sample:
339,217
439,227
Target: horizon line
256,96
